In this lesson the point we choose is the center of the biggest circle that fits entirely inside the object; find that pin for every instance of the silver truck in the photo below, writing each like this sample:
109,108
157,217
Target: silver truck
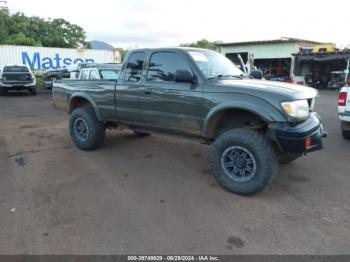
17,78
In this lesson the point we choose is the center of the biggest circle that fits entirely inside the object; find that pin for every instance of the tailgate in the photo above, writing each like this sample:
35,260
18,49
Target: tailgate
16,77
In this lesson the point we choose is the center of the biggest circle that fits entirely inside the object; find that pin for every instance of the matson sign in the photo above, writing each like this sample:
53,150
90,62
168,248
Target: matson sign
45,58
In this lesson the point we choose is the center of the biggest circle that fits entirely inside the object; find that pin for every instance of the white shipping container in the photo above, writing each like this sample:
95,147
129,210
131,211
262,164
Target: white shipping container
45,58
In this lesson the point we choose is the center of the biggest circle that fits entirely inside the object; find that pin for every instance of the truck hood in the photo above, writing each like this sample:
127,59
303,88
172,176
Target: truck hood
260,87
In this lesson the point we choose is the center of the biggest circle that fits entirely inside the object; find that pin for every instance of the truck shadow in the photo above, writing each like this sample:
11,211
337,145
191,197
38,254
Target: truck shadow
18,94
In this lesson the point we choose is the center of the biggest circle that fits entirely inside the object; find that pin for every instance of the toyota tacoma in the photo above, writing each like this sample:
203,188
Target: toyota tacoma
251,125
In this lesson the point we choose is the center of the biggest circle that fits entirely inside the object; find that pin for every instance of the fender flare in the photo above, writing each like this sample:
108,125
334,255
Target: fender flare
265,111
89,99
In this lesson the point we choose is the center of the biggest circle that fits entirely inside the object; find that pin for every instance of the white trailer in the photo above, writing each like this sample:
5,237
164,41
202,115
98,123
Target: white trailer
46,58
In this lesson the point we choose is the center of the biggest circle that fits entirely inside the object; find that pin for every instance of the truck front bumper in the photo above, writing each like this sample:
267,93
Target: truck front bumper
301,138
18,86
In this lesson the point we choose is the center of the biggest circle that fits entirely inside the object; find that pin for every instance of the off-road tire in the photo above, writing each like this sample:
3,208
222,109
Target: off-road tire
284,159
3,91
345,132
141,134
96,129
261,150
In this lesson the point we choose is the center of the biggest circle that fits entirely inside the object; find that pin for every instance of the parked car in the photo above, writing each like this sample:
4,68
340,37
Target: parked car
101,71
200,94
81,66
344,111
17,78
52,75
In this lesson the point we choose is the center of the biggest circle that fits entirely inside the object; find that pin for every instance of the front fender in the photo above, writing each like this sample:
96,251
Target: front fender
89,99
258,107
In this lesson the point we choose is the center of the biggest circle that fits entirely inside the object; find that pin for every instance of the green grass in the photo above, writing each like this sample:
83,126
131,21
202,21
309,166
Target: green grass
39,82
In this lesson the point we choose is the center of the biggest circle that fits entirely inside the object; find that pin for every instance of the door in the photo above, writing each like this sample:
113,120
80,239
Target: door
166,104
128,88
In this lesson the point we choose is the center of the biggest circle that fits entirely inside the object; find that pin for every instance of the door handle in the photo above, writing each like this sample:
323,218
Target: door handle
147,92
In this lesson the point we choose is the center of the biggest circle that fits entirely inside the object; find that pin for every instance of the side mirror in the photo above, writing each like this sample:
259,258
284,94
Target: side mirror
256,74
184,76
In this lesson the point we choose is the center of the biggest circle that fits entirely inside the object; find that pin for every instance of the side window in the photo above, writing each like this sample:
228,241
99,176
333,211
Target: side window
84,74
94,74
163,66
134,67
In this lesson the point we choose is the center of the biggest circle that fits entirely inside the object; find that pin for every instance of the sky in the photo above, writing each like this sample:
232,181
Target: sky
159,23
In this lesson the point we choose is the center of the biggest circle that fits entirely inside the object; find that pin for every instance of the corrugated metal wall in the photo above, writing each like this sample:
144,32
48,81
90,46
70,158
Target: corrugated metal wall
43,58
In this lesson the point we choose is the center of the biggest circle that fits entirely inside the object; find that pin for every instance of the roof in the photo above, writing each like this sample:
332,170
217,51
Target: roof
318,57
273,41
186,48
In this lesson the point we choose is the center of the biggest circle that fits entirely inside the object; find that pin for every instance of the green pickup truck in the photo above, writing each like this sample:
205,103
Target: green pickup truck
250,124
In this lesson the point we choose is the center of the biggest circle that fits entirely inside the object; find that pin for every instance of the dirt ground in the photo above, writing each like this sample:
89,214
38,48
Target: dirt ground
155,195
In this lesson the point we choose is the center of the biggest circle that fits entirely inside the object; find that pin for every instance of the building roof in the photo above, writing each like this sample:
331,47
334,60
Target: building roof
281,40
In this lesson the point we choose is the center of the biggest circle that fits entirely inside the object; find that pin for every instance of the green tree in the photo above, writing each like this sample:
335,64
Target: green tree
3,25
203,43
21,39
122,52
19,29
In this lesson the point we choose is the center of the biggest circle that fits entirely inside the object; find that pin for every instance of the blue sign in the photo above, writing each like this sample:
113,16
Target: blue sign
38,62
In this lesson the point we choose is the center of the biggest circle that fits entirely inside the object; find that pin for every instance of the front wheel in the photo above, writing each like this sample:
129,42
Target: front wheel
33,91
86,131
3,91
345,129
243,161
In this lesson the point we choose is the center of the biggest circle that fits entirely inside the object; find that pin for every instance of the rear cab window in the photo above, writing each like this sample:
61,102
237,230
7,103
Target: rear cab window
94,75
21,69
84,74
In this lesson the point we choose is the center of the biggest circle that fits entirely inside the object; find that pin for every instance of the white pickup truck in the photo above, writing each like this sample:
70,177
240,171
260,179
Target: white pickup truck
100,71
344,111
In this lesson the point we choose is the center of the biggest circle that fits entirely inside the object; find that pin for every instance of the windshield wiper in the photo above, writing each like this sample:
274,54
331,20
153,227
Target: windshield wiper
223,76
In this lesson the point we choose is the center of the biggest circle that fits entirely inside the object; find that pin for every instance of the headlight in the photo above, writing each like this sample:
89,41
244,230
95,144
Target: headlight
297,109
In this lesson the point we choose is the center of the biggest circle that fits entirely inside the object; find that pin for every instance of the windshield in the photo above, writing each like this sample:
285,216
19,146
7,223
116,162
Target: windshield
16,69
213,64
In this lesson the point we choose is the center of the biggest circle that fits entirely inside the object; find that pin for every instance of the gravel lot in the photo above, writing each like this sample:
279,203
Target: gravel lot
155,195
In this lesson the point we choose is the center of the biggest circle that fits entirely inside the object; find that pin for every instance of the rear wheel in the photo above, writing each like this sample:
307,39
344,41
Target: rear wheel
345,129
86,131
3,91
345,134
32,91
242,161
